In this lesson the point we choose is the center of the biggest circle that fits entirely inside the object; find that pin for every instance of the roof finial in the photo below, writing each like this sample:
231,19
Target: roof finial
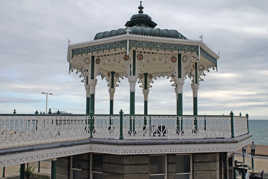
141,8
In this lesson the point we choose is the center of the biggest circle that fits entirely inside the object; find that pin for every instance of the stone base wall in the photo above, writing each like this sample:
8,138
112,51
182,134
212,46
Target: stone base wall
102,166
205,166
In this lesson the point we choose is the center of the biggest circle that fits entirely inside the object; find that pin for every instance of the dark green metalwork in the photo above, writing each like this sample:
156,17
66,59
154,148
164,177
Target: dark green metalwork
179,104
22,171
195,73
132,103
162,46
141,30
145,121
141,8
179,111
247,123
156,32
232,123
179,65
208,56
92,64
145,107
4,172
141,19
195,111
145,81
145,101
121,137
195,104
132,111
195,124
134,63
87,105
111,107
91,124
92,103
178,123
181,123
53,169
130,124
107,46
112,79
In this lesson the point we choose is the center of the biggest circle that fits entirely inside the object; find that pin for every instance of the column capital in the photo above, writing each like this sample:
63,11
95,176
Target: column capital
132,82
111,92
146,94
92,86
195,89
87,87
179,85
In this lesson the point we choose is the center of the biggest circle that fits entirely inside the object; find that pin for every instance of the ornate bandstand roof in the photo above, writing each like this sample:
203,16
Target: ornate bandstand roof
141,24
156,51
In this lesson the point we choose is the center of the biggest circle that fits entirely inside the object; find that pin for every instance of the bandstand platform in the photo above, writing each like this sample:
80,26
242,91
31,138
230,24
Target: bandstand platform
131,146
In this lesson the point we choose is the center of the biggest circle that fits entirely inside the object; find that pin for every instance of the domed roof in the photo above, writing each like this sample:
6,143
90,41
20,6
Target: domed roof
141,24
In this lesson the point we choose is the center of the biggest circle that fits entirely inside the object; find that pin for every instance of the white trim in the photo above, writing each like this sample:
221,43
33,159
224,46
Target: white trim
147,39
33,156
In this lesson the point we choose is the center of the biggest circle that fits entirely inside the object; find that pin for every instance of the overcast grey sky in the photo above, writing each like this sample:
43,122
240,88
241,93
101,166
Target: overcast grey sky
33,45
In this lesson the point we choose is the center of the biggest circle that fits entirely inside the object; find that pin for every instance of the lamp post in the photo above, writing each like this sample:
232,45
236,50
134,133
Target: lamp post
253,148
46,93
244,152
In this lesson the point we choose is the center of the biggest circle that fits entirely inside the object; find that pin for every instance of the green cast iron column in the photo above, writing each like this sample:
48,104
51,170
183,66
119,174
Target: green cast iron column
195,110
195,94
195,102
92,77
87,105
111,97
53,169
232,124
145,107
121,137
111,106
87,97
92,103
132,94
179,95
132,103
22,171
145,98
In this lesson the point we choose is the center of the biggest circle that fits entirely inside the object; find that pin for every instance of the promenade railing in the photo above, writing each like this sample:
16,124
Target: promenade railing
25,130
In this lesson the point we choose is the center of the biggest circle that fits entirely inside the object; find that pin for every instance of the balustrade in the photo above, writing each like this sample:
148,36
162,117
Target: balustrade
23,130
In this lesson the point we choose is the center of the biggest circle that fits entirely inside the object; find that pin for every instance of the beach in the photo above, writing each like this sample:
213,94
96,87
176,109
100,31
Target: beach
260,159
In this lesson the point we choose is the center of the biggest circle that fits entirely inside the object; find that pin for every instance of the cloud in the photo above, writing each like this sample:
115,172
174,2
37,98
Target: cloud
33,50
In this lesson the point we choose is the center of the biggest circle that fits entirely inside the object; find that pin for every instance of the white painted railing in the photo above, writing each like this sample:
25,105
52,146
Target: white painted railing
23,130
239,123
31,130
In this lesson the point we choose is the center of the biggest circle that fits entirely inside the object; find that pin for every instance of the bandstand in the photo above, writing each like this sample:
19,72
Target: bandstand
130,146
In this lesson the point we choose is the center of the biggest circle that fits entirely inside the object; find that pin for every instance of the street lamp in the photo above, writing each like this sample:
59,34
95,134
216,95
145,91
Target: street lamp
46,93
253,149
